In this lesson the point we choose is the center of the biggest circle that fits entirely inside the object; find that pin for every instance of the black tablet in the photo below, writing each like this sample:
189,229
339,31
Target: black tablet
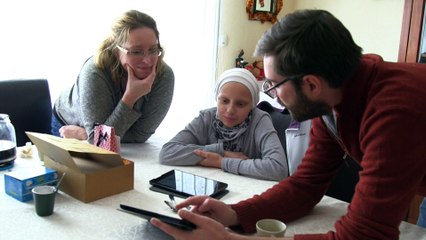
179,223
186,184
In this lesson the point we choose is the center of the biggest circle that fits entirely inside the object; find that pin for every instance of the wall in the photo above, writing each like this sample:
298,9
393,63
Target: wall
51,39
240,32
374,24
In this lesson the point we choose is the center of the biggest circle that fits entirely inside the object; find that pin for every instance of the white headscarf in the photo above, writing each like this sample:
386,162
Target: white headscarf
243,76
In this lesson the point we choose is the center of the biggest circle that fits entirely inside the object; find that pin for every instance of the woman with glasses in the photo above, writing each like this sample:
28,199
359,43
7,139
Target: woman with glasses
234,136
126,85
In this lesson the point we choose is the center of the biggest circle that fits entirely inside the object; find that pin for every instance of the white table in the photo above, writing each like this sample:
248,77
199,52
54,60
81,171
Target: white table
73,219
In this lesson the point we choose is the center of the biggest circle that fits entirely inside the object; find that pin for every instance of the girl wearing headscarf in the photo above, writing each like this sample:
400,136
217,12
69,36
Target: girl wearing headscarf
234,136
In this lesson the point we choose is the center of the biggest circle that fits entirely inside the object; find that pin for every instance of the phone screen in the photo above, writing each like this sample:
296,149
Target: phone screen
188,184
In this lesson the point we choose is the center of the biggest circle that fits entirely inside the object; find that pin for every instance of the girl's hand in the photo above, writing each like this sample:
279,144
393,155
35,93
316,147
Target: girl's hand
210,159
239,155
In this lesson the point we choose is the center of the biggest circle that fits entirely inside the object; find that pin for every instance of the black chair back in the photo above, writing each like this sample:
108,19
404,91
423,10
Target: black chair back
28,104
280,120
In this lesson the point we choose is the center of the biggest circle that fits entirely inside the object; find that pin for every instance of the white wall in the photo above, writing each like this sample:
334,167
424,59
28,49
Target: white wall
51,39
374,24
241,33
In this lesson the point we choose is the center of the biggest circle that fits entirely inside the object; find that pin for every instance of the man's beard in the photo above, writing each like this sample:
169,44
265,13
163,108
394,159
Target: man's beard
305,109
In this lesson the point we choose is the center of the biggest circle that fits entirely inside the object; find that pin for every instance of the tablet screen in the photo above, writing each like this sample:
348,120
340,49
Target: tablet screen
188,184
179,223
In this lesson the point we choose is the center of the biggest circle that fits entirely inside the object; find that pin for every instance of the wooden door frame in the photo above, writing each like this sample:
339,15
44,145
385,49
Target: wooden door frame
411,30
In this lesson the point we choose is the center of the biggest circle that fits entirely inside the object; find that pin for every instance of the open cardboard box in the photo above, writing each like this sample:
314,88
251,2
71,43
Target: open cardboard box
92,173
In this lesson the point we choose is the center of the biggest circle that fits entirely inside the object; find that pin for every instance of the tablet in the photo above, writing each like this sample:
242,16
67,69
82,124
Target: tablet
179,223
186,184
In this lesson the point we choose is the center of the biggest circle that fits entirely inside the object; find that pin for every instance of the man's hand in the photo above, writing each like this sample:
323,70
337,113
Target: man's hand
207,228
210,216
211,208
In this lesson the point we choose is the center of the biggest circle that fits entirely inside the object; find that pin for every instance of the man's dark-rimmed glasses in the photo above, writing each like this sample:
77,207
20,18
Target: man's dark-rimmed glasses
270,89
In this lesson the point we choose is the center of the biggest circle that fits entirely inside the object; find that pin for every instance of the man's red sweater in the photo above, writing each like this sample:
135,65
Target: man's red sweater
382,123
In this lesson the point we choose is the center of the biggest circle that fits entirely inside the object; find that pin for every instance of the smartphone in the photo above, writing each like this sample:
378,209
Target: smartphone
186,184
179,223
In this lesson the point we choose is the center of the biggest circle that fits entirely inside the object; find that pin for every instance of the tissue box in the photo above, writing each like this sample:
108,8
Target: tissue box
19,184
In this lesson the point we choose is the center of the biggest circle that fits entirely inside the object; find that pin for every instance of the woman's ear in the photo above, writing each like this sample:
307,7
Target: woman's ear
312,86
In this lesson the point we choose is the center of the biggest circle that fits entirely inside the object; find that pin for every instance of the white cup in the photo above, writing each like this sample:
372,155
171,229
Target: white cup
270,228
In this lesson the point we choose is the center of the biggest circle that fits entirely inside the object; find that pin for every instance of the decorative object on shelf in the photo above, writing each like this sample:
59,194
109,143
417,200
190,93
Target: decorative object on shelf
263,10
239,61
257,69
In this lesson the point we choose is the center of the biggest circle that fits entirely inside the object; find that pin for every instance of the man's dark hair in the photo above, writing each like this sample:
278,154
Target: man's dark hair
311,42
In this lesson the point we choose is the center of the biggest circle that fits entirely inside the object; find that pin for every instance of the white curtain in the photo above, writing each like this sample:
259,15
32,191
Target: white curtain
51,39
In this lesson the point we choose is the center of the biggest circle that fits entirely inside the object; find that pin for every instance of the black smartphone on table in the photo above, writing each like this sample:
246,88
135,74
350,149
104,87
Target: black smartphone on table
185,184
179,223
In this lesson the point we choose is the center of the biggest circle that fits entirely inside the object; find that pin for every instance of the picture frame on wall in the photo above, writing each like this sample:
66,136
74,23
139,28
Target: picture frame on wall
263,10
263,5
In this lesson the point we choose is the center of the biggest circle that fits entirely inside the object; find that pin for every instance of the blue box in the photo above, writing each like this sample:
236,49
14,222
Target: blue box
19,184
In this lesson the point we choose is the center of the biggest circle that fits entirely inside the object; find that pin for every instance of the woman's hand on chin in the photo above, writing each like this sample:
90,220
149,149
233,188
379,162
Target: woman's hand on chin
135,87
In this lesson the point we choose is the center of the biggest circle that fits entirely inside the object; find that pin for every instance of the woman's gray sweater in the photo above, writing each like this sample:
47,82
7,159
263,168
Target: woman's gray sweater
95,99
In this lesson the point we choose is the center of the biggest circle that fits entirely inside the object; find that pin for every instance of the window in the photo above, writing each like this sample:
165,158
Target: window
51,39
422,49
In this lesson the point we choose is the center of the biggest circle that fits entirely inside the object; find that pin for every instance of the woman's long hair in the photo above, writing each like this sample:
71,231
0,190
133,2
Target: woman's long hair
106,56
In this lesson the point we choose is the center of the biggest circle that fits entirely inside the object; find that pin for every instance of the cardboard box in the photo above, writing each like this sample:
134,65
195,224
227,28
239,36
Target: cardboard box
92,173
19,184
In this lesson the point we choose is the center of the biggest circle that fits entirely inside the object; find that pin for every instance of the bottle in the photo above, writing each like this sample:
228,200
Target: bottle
7,142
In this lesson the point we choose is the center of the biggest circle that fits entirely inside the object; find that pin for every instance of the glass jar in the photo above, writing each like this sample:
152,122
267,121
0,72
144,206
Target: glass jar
7,142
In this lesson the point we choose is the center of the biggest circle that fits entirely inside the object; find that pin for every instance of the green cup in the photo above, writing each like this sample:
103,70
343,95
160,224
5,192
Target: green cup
44,200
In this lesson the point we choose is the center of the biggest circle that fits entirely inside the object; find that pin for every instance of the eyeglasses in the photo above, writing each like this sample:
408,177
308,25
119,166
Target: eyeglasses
152,52
270,89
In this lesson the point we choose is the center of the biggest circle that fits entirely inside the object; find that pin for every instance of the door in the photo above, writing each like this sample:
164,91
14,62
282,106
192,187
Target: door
413,36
